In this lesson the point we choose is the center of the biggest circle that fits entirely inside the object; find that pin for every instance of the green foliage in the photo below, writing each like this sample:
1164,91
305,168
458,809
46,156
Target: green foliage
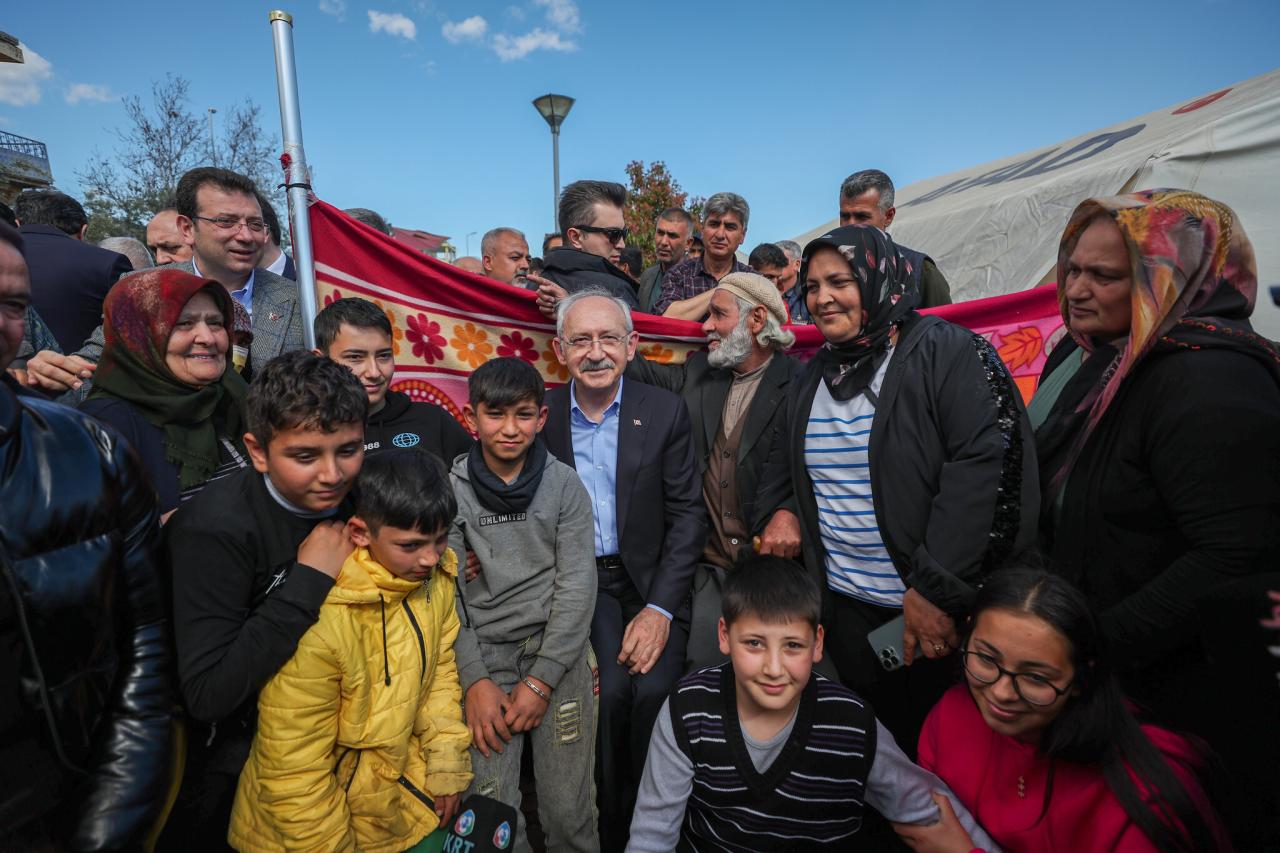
163,140
649,192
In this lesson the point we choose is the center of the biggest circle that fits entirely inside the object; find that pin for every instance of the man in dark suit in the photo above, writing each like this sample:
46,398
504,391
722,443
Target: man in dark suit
220,218
69,277
632,445
735,395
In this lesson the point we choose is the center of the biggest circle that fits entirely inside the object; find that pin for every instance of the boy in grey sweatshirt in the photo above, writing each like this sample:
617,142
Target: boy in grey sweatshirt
522,652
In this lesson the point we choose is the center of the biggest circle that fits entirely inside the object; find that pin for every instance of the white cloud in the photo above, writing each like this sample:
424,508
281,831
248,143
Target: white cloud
392,23
20,83
88,92
472,29
562,14
336,8
509,48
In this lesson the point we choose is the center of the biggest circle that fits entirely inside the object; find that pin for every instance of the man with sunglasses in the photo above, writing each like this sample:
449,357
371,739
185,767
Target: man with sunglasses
220,218
594,231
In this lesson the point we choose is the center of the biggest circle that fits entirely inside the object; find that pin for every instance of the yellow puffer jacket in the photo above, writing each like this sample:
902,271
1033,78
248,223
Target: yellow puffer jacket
360,729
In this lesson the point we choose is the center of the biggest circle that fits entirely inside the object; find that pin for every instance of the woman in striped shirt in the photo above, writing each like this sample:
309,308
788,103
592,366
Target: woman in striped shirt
908,466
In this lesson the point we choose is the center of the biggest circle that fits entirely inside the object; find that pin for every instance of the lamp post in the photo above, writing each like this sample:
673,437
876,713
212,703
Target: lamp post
554,108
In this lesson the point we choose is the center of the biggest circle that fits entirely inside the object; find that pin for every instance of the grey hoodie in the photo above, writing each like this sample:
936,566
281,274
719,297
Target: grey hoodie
537,573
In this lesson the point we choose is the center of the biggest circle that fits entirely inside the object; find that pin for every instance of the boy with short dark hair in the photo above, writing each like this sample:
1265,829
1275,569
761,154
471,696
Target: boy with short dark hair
372,692
357,334
761,753
523,651
252,558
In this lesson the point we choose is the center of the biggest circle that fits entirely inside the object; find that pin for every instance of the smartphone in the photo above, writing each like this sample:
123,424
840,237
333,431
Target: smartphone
886,642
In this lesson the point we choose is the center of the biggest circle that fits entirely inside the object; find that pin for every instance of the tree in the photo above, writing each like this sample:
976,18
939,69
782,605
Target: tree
649,192
161,142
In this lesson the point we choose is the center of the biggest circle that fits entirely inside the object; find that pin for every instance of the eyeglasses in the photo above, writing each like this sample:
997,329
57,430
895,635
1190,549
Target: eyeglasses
1033,689
582,342
613,235
227,223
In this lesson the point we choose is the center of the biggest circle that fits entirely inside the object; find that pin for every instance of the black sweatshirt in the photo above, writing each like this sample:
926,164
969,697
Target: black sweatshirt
241,601
404,423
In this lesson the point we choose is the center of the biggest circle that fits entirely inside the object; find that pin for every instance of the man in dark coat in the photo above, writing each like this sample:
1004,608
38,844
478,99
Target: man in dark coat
632,446
69,277
595,234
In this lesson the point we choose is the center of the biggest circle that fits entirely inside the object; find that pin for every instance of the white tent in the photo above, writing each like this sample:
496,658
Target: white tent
995,228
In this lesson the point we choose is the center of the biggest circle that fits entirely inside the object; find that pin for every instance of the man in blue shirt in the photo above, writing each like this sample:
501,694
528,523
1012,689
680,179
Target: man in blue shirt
632,446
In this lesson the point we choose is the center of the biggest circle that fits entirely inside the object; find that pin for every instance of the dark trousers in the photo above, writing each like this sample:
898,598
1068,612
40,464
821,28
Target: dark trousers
902,698
629,704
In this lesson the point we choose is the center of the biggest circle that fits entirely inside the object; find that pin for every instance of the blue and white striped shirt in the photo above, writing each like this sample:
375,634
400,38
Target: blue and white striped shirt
836,444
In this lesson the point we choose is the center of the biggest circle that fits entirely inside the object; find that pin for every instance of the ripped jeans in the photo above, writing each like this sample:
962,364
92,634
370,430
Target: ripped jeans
563,751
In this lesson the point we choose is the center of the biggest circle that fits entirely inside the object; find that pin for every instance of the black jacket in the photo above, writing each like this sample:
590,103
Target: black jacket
705,389
574,271
403,423
69,281
1175,496
952,456
662,526
241,600
85,738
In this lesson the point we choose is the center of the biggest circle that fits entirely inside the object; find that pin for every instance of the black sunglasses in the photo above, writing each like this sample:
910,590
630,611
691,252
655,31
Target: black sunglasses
613,235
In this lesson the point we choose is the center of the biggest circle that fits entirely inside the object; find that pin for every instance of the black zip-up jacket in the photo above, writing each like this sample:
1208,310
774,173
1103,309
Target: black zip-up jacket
574,270
953,466
403,423
86,720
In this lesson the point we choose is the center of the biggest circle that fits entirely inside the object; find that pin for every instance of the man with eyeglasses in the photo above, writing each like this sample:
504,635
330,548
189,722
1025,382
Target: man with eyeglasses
220,218
632,445
595,233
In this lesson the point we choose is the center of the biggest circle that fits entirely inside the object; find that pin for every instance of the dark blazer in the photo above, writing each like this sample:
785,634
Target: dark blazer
705,388
953,470
69,280
662,525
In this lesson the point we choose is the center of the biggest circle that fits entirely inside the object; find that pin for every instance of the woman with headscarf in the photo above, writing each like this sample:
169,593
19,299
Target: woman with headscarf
1158,432
165,382
909,467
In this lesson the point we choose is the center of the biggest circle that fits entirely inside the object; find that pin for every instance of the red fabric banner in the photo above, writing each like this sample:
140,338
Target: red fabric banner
447,322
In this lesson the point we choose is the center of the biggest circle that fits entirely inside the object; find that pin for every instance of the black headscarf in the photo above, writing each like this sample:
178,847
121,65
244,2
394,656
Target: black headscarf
889,298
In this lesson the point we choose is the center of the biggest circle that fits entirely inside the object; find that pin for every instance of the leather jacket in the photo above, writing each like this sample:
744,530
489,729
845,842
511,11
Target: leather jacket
88,709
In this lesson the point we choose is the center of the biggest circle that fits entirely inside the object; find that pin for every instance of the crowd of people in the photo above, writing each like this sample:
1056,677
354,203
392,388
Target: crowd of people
255,597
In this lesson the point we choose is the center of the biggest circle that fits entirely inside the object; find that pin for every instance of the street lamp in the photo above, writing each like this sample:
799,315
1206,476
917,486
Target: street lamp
554,108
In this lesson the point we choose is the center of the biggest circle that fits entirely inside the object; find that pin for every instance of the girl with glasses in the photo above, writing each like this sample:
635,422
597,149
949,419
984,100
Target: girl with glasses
1040,745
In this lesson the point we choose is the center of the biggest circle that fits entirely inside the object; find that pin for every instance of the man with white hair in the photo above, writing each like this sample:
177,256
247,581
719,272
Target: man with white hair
735,394
132,248
631,445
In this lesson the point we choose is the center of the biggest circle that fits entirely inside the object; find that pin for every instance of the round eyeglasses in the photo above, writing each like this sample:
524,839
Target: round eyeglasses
1033,689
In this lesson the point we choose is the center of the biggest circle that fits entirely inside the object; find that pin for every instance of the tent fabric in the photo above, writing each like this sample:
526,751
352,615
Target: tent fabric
446,322
994,228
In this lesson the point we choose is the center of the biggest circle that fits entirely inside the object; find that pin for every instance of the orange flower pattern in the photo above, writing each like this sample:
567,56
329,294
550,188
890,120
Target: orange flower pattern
657,352
554,369
397,333
472,344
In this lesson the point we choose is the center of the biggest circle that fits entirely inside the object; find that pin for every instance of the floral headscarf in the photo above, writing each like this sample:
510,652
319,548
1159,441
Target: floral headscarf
889,297
1194,283
139,316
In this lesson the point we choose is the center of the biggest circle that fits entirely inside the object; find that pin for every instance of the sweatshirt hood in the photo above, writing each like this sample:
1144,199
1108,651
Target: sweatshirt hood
396,404
363,580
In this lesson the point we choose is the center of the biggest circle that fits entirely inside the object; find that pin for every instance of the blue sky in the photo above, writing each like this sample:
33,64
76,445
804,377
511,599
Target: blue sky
421,110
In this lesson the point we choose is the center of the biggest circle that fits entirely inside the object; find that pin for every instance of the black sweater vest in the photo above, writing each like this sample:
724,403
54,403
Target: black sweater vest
810,797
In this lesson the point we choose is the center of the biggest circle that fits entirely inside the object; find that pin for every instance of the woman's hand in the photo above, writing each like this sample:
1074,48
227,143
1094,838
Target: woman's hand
926,625
945,836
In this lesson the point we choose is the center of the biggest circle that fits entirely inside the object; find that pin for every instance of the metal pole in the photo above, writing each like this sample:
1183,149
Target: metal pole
296,175
555,168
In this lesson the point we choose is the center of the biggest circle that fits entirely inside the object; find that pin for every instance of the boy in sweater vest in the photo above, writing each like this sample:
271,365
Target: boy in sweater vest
761,753
523,650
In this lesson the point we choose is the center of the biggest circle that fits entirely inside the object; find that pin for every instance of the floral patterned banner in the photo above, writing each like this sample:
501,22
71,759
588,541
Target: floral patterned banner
447,322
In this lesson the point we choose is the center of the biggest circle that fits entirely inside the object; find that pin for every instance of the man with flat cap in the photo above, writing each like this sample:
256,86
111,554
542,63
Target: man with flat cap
734,393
